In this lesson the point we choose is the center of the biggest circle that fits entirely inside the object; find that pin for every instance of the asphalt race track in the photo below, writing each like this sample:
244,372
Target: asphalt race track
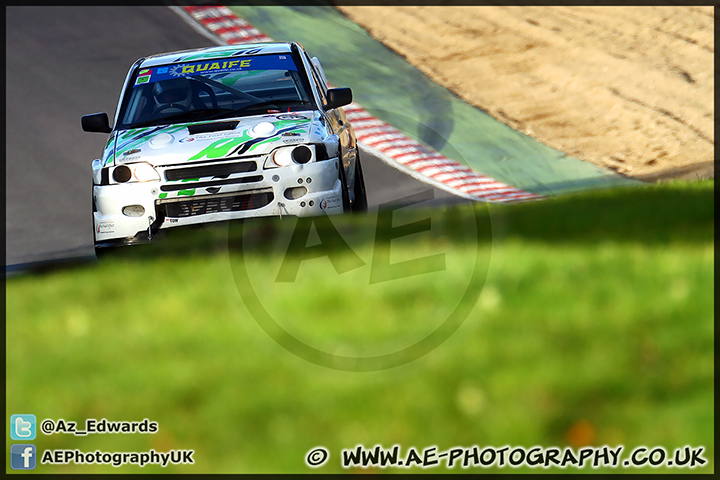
62,63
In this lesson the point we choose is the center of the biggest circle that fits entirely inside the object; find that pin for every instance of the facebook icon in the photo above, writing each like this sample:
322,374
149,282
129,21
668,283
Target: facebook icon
22,456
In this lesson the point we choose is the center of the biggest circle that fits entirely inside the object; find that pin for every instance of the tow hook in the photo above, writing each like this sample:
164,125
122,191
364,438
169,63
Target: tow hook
150,221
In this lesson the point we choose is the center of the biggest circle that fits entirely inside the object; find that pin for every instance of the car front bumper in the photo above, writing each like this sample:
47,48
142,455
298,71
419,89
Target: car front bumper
299,190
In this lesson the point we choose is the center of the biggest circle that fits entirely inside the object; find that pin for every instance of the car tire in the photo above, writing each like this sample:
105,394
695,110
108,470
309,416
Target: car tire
360,203
344,189
98,250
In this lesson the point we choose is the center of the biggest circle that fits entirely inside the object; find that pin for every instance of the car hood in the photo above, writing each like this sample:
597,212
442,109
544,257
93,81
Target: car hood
203,141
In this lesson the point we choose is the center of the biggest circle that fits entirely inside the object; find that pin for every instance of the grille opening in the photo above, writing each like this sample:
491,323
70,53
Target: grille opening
217,204
221,170
211,183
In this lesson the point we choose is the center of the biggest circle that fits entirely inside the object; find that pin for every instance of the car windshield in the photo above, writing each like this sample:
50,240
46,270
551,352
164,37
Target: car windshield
212,89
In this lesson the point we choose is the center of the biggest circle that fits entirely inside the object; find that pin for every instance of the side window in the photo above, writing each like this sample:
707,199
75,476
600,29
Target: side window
317,79
138,104
323,94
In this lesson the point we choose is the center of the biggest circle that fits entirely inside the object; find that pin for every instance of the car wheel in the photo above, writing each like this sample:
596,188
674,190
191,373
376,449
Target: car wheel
344,189
98,251
360,203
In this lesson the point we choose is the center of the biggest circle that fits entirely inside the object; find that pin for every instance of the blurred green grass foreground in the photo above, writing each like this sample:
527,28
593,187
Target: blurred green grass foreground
584,320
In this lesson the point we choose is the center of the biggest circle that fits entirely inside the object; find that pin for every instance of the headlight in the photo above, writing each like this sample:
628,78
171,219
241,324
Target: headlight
144,172
301,154
122,174
135,172
284,156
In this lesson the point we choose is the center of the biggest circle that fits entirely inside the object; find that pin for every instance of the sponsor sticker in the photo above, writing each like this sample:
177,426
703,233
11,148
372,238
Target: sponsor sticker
332,202
231,53
291,116
131,152
221,65
106,227
214,136
143,76
215,66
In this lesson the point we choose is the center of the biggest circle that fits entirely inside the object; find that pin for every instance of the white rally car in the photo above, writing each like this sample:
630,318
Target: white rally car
223,133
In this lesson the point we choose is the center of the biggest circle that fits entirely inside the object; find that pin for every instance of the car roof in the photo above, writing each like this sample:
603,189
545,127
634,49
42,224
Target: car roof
210,53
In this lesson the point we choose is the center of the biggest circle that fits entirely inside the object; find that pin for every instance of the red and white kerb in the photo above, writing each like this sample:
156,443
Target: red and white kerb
377,136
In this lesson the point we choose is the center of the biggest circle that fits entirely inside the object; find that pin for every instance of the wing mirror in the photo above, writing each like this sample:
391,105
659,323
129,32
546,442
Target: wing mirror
337,97
96,123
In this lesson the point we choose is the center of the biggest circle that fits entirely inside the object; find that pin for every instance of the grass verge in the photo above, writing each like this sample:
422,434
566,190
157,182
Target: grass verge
591,323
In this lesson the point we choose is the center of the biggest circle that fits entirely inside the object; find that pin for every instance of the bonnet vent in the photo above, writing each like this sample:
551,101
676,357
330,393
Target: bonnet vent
212,127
